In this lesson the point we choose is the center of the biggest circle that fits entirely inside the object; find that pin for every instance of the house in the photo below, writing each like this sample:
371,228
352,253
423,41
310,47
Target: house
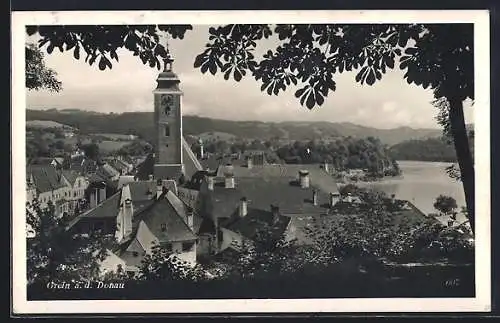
121,165
78,185
47,184
56,162
108,172
83,165
141,215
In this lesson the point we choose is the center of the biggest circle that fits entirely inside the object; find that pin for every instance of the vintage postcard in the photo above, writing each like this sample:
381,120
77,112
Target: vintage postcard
250,162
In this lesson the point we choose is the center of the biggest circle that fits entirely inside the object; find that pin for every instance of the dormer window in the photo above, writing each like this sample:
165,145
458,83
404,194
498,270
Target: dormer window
135,254
163,227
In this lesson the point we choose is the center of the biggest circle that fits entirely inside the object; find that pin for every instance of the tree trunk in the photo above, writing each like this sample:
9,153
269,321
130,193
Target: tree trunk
465,162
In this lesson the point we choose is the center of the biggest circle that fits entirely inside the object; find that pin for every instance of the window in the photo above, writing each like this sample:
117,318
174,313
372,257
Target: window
163,227
135,254
187,246
168,110
167,130
168,247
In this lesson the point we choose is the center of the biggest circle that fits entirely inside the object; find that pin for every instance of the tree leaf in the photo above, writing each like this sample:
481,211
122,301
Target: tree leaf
310,101
320,99
300,92
76,52
390,62
237,75
370,77
359,76
199,60
212,67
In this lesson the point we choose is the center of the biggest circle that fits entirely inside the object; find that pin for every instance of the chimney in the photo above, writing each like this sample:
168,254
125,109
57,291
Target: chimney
275,210
334,198
202,152
304,178
159,188
102,194
210,182
229,176
190,219
128,212
243,209
249,162
315,197
93,198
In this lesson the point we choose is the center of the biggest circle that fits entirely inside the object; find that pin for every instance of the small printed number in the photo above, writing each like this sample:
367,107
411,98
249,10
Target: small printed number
452,282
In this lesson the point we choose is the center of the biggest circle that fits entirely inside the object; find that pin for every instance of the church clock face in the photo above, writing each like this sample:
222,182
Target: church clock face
167,103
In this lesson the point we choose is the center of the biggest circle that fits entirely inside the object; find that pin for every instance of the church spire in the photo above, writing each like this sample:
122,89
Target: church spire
168,59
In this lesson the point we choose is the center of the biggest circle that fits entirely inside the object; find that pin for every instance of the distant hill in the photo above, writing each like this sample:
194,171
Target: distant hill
139,123
45,124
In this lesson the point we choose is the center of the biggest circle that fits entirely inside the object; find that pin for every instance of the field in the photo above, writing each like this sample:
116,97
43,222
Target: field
45,124
107,146
112,136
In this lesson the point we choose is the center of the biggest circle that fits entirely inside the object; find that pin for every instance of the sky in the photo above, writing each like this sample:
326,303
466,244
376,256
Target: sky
128,87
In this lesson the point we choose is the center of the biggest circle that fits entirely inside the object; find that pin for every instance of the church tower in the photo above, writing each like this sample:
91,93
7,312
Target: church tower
168,123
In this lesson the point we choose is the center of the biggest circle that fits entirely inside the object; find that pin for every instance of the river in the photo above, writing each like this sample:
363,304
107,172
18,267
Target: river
421,183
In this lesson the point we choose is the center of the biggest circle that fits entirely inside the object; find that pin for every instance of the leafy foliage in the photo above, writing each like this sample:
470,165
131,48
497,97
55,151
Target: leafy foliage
55,254
434,56
445,204
430,149
377,227
38,76
91,150
163,265
345,153
99,43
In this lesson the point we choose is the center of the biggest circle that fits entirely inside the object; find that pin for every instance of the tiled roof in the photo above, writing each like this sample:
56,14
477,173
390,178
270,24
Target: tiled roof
318,177
59,160
145,168
202,225
117,164
255,220
167,171
139,189
191,163
107,171
109,208
46,178
70,176
162,212
261,193
212,162
96,178
123,180
42,161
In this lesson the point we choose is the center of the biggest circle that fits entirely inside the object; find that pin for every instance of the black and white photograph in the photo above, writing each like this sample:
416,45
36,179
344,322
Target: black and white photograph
204,162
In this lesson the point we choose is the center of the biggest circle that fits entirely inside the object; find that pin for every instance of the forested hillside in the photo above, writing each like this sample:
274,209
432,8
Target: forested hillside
140,123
